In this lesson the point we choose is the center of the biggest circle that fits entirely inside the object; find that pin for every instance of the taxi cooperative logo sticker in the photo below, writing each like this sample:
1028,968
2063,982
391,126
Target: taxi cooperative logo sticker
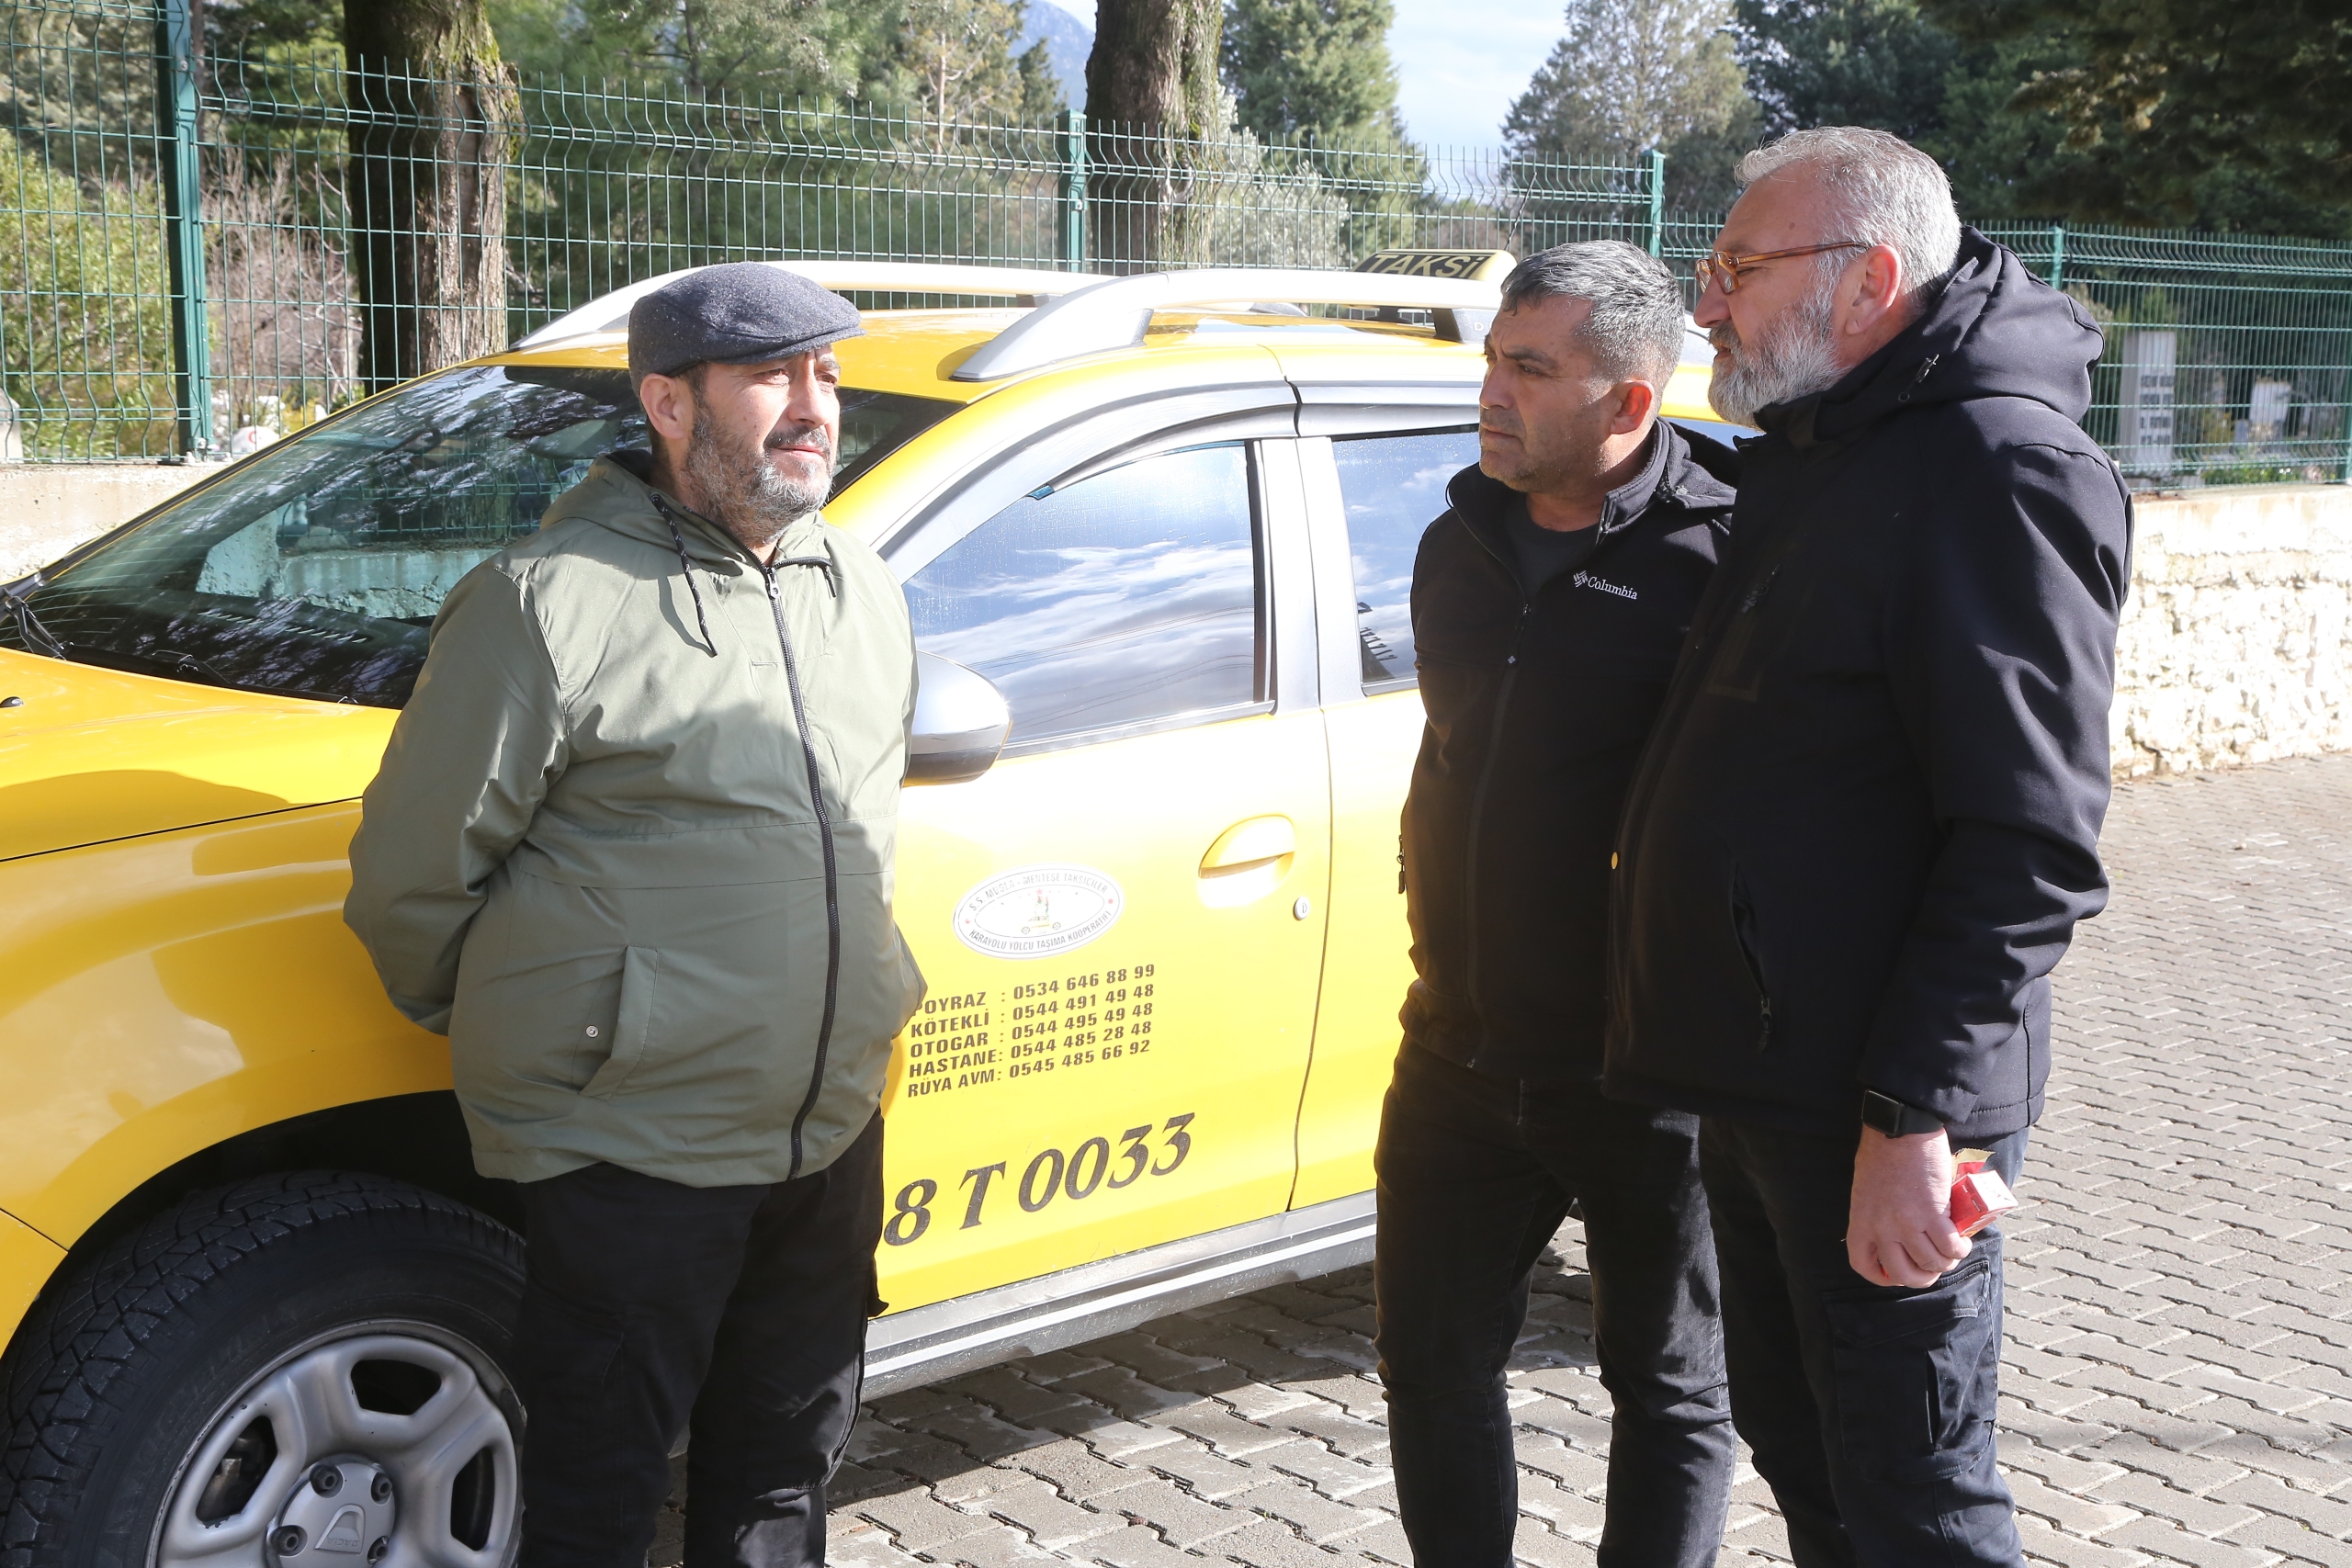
1036,911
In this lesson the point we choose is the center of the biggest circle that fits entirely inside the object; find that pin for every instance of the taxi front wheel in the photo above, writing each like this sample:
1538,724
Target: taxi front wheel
297,1370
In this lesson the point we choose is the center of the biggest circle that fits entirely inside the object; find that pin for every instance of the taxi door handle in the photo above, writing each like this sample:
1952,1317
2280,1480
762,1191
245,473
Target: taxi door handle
1249,844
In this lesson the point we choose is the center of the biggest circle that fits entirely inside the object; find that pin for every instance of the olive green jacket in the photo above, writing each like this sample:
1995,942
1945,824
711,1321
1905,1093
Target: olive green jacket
609,860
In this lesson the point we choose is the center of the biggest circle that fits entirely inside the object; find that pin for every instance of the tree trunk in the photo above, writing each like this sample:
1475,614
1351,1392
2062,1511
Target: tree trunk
436,110
1151,91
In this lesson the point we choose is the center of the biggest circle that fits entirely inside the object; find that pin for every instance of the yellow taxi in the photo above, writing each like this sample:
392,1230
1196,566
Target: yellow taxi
1157,534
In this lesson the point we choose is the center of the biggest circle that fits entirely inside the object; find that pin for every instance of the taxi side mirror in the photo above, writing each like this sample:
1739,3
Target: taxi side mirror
961,720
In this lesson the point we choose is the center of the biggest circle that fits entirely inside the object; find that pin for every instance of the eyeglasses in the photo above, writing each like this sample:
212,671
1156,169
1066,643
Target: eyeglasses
1724,264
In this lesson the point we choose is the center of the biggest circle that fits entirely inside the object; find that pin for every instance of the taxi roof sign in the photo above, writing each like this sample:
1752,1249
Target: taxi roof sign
1479,266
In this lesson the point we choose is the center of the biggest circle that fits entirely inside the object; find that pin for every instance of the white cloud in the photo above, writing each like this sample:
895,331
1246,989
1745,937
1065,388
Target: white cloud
1456,76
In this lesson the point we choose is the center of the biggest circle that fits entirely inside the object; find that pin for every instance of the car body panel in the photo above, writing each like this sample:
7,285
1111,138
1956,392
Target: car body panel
1372,743
97,754
26,1261
1198,1001
164,994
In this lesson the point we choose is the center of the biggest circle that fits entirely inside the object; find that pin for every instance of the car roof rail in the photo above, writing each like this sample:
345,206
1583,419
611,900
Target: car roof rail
1116,312
1028,286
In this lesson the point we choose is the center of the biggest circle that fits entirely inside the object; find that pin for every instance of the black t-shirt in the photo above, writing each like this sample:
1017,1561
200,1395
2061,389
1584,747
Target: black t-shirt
1546,553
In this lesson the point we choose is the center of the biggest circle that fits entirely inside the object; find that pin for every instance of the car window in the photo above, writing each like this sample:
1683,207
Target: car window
1127,597
315,568
1394,487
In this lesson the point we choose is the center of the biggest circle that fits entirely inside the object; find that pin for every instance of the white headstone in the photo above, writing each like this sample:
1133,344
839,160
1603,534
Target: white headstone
2148,360
2266,414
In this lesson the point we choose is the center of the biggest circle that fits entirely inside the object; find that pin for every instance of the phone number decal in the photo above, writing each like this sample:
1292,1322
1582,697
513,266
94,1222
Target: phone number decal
965,1039
1051,1174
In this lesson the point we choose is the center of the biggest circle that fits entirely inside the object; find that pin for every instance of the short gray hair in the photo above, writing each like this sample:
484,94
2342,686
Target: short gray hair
1880,190
1635,329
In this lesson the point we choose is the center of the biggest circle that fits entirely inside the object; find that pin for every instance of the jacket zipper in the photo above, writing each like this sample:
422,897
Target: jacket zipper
832,890
1478,812
1743,923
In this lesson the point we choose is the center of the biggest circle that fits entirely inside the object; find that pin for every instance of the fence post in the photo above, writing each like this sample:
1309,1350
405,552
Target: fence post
1653,165
1073,202
181,170
2057,255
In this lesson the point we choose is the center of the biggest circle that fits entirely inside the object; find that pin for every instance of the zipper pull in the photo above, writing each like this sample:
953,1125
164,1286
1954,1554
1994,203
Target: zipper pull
1519,631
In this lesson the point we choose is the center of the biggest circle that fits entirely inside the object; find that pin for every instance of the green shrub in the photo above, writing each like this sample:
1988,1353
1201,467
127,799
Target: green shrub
86,332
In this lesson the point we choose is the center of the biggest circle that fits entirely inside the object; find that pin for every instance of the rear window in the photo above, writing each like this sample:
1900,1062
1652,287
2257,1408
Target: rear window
315,568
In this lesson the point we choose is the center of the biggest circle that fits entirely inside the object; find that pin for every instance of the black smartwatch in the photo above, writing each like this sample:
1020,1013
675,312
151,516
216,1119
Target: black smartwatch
1891,1116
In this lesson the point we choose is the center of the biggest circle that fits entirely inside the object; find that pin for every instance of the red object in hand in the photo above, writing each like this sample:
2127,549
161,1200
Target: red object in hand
1979,1196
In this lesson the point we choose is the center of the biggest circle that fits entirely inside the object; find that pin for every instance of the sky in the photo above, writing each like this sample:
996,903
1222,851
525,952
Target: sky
1455,78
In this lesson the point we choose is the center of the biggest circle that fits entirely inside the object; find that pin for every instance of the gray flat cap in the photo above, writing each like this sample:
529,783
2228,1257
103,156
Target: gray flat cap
734,313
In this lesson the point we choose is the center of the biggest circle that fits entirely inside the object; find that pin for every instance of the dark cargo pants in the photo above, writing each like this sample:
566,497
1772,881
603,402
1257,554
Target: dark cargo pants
646,1303
1475,1174
1869,1407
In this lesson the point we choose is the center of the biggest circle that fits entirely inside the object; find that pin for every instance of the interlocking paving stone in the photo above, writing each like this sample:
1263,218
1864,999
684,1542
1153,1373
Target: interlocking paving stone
2178,1379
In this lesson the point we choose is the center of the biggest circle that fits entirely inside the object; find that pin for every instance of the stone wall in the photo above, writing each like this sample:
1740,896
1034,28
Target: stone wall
46,509
2236,646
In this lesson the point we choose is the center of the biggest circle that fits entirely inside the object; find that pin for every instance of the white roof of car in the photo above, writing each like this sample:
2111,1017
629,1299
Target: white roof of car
1074,313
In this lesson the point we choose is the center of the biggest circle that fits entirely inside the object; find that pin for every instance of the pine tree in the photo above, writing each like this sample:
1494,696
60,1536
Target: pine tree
1875,62
427,184
823,51
2161,99
1154,101
1631,75
1313,67
959,53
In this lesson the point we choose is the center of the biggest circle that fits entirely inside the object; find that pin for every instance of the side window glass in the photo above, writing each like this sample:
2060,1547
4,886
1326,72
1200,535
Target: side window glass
1394,487
1126,597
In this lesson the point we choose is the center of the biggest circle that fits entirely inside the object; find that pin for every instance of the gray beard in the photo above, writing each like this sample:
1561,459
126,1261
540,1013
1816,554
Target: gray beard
1796,357
748,495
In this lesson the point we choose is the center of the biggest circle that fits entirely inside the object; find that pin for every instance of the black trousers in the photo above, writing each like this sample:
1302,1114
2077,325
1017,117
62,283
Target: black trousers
648,1303
1869,1407
1475,1174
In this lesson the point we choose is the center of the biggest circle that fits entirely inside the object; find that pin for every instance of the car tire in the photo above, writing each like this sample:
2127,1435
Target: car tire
188,1390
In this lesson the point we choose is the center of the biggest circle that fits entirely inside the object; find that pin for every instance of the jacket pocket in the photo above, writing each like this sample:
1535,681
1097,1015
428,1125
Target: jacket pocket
1742,928
632,1022
1916,1374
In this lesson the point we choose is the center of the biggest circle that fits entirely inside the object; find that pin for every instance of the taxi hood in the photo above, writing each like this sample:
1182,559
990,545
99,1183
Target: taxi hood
89,754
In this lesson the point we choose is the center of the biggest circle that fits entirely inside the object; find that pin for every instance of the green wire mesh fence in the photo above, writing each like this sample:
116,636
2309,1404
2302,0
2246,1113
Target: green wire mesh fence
194,252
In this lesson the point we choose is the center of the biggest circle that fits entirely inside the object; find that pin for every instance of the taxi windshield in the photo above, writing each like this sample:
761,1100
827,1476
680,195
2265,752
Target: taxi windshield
314,568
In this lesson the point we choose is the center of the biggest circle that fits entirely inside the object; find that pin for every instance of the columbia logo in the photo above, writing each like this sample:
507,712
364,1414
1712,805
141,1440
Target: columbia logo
1585,579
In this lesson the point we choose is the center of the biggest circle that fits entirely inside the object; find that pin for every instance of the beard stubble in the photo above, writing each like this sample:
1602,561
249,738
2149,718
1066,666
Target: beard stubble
753,499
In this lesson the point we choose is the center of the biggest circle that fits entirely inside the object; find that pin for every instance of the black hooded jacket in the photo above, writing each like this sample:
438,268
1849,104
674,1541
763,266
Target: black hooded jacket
1537,710
1869,820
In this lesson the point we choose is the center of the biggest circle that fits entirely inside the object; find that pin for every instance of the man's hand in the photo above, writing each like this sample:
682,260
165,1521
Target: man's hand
1899,1230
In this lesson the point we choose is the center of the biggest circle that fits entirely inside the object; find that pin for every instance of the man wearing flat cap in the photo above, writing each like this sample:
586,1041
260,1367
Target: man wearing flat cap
630,850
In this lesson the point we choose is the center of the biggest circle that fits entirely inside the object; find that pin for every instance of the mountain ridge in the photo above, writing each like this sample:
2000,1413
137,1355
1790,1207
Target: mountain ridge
1068,43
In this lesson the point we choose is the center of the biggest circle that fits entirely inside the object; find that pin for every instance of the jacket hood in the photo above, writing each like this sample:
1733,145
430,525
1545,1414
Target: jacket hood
1994,330
1673,470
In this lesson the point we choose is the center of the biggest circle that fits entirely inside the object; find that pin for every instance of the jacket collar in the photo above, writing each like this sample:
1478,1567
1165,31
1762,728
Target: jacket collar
1992,329
617,492
1667,473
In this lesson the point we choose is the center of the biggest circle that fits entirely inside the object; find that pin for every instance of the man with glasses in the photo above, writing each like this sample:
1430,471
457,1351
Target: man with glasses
1868,821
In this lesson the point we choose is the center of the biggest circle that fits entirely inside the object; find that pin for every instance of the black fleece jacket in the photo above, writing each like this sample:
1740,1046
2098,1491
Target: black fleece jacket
1537,709
1869,820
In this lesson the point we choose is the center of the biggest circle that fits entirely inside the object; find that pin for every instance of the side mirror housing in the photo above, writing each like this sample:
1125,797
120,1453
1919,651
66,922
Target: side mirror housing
961,720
